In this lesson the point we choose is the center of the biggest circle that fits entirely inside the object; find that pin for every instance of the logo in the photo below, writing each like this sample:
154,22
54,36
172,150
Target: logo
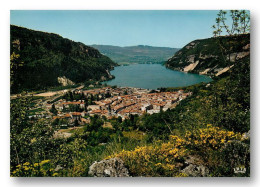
241,169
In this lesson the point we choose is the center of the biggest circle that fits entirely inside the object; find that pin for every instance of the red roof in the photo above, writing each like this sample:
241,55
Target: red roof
76,113
67,115
73,103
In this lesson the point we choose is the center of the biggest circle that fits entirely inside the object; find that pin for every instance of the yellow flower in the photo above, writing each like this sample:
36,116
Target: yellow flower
181,175
55,174
26,164
44,162
158,164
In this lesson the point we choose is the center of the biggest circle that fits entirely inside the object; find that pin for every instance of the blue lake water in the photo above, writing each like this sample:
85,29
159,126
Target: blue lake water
153,76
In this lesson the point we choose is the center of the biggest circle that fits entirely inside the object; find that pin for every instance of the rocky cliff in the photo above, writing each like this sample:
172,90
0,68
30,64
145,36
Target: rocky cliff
212,56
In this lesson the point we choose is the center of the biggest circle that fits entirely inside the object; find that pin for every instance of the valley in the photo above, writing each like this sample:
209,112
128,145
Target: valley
84,110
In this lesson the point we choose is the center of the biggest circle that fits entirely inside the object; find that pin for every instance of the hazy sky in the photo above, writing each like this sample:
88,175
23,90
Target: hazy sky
122,28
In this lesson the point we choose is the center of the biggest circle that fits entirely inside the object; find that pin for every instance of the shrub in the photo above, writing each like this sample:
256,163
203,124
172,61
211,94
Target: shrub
42,169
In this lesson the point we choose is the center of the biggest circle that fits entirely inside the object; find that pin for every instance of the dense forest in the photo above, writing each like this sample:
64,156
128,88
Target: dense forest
47,56
136,54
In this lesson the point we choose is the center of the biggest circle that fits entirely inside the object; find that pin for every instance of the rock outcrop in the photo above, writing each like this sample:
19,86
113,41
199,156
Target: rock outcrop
113,167
65,81
223,70
195,168
191,67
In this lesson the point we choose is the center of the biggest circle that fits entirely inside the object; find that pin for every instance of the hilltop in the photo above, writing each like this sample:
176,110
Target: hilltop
211,56
48,57
136,54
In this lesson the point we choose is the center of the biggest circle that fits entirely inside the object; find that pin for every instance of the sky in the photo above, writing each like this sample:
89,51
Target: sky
163,28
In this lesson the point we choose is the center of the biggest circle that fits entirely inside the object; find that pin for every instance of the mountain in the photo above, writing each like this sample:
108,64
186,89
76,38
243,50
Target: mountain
212,56
47,56
136,54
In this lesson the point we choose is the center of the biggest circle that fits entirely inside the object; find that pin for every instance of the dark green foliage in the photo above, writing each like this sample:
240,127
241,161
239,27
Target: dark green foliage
95,133
57,88
232,98
47,56
30,140
136,54
32,112
76,123
53,110
95,124
233,155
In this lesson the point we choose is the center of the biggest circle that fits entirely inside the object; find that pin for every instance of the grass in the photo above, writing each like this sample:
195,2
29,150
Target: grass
63,87
107,125
34,111
136,135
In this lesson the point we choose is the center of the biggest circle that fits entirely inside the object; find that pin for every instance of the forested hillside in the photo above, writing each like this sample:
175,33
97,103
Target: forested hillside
136,54
47,56
212,56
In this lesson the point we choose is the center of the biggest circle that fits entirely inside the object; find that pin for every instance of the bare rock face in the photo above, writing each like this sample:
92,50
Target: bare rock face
113,167
246,135
194,168
191,58
65,81
191,45
196,171
109,75
247,47
238,55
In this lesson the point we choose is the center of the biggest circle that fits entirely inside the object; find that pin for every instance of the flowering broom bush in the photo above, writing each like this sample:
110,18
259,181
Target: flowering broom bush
42,169
166,159
154,160
210,137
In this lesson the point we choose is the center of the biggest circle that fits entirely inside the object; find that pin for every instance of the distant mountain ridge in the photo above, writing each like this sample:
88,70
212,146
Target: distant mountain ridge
47,56
211,56
136,54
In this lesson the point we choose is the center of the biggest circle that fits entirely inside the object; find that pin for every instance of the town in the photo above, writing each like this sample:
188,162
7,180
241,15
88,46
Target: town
76,106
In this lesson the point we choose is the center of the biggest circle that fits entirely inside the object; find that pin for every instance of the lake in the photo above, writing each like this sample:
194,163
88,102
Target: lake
153,76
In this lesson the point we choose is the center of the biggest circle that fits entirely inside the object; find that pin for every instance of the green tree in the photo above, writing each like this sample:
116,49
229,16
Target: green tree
95,124
31,141
53,110
236,23
15,63
239,23
76,123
